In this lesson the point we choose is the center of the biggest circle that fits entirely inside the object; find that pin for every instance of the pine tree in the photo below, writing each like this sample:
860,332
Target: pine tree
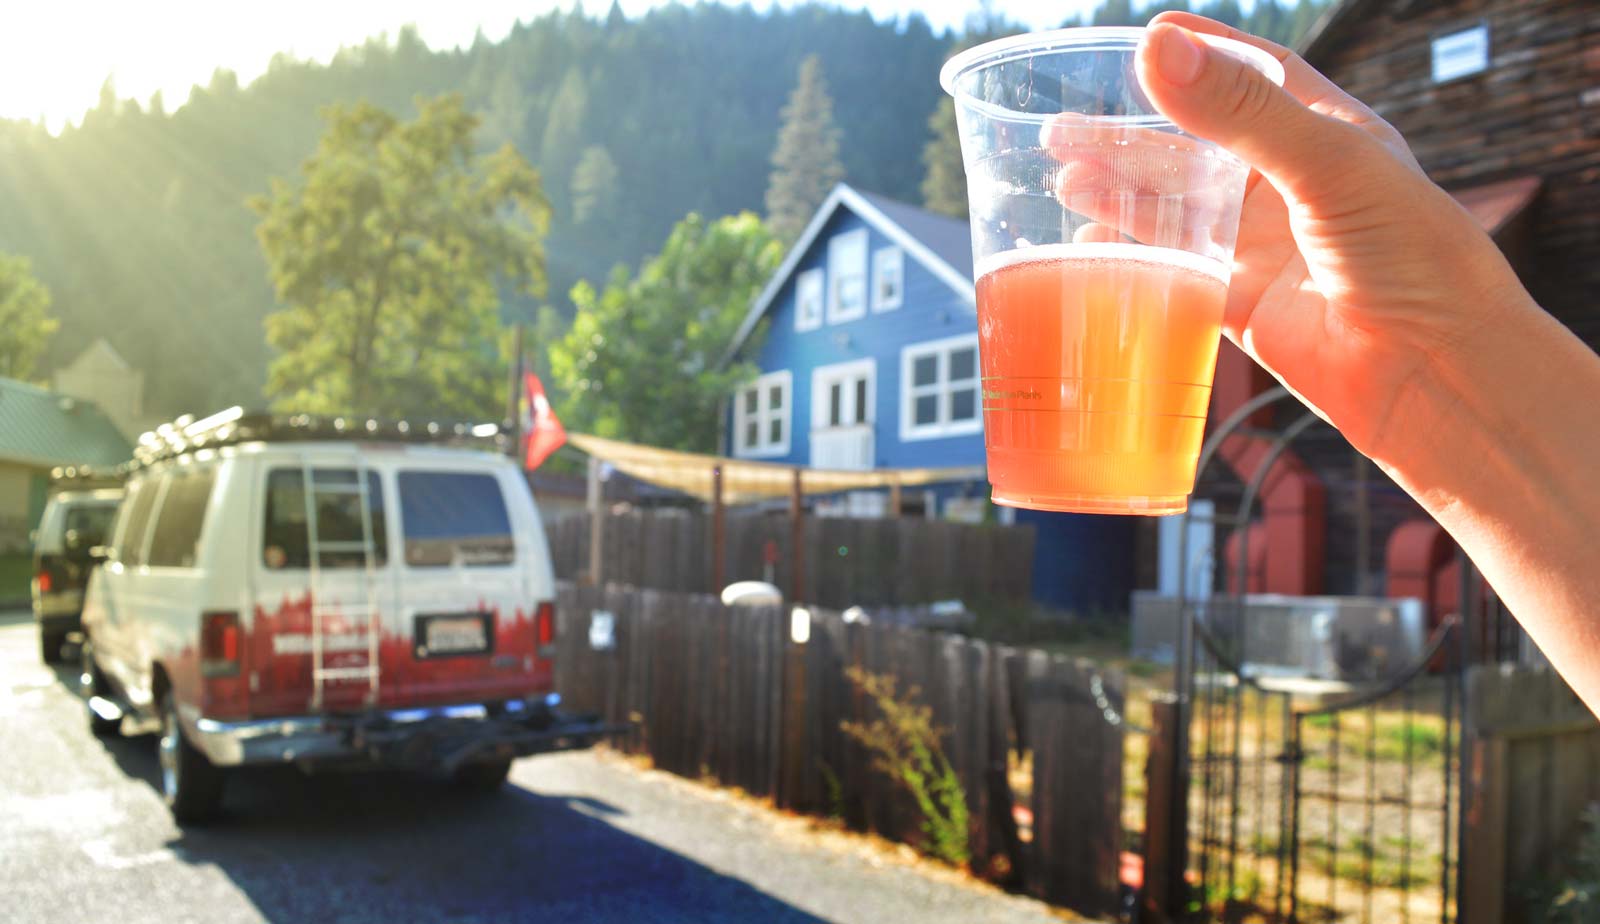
805,163
944,185
594,185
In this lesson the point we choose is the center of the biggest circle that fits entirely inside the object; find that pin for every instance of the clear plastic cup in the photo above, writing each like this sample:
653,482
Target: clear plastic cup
1102,239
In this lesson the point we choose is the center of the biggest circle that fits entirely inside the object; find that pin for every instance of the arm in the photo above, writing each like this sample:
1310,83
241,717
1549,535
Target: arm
1500,442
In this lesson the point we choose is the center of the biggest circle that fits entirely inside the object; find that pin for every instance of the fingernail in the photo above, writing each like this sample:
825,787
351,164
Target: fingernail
1180,55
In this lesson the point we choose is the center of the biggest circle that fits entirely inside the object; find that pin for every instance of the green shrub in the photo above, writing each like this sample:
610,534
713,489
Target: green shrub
1577,898
904,745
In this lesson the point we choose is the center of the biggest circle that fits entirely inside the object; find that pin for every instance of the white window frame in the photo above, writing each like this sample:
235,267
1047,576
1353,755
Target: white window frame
823,376
810,282
944,426
883,259
763,416
841,269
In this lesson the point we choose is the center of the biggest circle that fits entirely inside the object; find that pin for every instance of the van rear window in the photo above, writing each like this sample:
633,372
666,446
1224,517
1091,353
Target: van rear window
454,518
89,524
284,542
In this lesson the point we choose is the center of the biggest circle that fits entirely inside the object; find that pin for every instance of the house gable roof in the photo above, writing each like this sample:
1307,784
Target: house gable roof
42,428
942,245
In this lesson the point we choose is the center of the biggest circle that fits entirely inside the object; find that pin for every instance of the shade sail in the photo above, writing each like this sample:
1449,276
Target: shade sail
745,482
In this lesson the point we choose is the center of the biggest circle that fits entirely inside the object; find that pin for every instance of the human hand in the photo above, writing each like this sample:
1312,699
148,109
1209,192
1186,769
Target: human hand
1353,272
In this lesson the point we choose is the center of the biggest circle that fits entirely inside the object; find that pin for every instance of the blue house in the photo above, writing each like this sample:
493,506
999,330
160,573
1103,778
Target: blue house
870,360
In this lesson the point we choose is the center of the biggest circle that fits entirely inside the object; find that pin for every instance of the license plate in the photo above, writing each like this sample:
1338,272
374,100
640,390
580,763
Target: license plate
443,636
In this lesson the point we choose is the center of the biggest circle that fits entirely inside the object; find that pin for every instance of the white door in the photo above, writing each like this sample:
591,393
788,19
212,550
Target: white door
843,397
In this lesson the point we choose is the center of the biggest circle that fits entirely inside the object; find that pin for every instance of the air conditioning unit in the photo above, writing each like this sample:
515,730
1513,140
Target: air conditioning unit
1327,638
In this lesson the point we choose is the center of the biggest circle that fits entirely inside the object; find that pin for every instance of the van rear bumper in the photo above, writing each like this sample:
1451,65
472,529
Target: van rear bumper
433,738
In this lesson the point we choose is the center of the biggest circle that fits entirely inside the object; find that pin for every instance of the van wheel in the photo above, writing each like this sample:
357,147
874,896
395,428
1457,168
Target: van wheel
92,683
484,777
50,646
191,784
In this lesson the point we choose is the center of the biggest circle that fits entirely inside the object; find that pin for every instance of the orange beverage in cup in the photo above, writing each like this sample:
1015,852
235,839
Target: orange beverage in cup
1097,362
1102,242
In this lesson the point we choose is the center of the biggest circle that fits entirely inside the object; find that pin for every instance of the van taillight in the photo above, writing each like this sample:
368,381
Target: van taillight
44,582
219,644
544,629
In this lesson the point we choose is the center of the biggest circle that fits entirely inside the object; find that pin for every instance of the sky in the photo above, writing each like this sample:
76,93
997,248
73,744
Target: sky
56,54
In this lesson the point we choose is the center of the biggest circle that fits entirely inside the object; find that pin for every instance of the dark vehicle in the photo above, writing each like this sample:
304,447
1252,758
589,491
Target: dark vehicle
73,523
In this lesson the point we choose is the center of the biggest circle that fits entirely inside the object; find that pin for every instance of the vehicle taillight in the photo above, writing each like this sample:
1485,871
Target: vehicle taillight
544,629
44,582
219,644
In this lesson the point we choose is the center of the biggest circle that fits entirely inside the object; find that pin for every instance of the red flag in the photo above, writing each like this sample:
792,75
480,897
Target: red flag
542,432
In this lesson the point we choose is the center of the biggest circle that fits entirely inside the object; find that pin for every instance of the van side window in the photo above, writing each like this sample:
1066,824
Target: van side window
176,539
454,518
283,541
144,491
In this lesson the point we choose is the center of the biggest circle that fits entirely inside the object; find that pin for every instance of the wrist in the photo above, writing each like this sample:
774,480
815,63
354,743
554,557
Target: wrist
1471,421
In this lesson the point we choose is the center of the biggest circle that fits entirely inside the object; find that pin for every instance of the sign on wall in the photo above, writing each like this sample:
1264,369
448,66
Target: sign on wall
1461,53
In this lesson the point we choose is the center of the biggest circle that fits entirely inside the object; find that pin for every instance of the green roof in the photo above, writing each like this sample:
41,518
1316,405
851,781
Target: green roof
40,427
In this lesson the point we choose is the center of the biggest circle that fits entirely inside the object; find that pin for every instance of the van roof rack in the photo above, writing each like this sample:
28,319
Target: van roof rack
86,477
237,425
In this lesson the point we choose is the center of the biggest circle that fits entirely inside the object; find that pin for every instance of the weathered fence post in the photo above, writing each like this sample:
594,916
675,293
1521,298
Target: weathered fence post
1166,820
792,746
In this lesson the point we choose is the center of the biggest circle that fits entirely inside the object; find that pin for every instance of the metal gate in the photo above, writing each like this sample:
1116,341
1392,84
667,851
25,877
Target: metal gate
1305,802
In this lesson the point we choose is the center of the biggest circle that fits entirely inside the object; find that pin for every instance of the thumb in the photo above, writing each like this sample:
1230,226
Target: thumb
1218,96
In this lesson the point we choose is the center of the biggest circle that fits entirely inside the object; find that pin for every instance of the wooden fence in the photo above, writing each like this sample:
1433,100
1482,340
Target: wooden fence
845,562
1533,754
728,693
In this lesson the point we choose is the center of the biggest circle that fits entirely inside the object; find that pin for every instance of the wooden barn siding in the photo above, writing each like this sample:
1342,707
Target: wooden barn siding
1523,116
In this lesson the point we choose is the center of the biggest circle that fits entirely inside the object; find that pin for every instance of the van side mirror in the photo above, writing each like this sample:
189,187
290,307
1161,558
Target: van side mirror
100,554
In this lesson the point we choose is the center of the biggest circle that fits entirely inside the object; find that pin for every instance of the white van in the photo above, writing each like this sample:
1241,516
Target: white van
271,594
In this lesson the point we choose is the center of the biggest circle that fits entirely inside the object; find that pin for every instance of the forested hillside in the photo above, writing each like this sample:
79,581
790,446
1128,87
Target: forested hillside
136,217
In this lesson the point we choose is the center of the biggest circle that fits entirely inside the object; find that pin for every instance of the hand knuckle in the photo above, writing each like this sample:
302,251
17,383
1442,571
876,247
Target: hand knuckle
1246,96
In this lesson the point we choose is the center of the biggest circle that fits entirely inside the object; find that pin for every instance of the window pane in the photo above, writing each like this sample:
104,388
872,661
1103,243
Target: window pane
852,293
775,398
144,497
926,410
177,531
925,370
834,398
775,431
752,434
964,404
339,518
283,541
454,518
861,400
752,398
963,364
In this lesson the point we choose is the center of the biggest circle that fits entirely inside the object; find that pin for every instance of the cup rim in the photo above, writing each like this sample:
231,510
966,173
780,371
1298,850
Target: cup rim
1028,44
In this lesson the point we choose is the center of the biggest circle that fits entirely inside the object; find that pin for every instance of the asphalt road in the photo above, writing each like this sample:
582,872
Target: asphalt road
574,837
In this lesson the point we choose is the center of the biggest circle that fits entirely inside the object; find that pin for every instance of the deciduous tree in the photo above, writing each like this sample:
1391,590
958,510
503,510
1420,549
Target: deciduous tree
387,257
